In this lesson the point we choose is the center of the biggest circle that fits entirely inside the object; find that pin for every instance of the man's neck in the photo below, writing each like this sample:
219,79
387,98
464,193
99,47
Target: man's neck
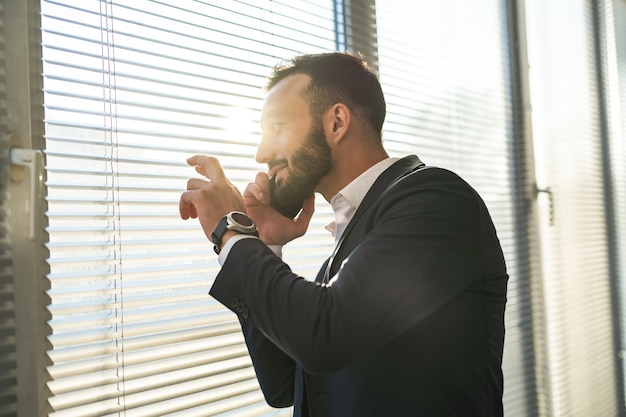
347,169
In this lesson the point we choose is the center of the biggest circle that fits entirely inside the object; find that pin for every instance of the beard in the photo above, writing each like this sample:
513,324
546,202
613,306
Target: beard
308,165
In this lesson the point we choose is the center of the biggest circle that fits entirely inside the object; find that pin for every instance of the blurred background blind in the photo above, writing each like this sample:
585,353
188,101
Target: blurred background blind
578,370
445,68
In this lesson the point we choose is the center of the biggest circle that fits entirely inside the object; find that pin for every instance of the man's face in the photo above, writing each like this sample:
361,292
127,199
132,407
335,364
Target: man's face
293,145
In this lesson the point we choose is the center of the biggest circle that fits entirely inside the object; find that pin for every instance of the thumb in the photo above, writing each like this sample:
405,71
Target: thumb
308,208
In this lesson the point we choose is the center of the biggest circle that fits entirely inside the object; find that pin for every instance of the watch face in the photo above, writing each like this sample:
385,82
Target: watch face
242,219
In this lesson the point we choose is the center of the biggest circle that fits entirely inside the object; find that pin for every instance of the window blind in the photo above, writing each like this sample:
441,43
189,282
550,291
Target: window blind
579,365
445,69
612,16
8,360
132,88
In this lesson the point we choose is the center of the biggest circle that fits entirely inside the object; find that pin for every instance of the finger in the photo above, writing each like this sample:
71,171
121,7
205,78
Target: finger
254,193
193,213
260,188
308,208
201,170
208,166
185,205
263,180
197,183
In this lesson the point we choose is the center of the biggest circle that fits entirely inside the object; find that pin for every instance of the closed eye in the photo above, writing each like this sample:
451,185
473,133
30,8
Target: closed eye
276,126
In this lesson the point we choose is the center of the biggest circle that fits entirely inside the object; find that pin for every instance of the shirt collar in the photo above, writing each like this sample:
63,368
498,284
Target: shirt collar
355,191
346,202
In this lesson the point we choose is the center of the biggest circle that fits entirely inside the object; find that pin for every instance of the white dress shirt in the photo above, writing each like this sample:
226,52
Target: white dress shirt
346,202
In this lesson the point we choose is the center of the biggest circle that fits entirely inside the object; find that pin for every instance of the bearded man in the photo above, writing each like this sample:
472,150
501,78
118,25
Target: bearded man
406,316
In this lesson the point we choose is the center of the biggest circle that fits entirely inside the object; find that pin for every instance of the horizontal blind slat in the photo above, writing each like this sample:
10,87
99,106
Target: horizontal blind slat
172,397
160,372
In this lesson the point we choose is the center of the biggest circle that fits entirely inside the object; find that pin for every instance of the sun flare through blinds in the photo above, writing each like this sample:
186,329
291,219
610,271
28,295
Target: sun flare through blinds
445,68
132,88
580,363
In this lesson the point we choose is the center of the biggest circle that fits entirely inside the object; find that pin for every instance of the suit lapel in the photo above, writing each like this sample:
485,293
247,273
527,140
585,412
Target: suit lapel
396,171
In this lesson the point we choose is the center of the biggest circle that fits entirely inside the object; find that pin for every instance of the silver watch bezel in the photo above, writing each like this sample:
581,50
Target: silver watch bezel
233,224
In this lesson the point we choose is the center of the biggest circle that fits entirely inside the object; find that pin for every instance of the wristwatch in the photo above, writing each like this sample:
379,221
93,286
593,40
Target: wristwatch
236,221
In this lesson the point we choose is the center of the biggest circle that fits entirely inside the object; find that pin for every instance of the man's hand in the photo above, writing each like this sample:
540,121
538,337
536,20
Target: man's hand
274,228
210,200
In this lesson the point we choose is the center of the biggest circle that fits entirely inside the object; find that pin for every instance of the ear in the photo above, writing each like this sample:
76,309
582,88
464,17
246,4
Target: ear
337,122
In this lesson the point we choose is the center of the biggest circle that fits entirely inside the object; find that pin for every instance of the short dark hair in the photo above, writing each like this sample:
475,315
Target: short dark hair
337,77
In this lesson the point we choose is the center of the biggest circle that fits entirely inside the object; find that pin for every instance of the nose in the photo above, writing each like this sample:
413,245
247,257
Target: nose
264,152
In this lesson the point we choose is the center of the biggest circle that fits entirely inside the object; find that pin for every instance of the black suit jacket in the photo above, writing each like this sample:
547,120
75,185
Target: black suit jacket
413,324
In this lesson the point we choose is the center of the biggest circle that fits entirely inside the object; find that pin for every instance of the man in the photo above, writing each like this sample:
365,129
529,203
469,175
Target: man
406,318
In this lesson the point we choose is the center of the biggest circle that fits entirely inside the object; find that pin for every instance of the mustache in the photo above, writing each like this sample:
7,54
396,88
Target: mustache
276,162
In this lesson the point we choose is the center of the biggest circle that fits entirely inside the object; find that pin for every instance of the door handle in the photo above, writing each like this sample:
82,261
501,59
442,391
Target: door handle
548,191
32,159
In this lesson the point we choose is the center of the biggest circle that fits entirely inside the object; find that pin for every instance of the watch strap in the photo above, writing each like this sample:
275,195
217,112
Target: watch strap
218,234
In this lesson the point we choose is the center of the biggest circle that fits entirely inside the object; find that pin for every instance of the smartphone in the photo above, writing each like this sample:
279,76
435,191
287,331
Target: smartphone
291,210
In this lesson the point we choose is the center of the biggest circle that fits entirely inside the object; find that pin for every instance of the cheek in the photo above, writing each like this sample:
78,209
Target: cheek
292,140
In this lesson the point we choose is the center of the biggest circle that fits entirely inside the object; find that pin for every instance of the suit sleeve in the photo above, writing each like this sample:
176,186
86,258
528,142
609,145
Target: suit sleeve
274,369
423,250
